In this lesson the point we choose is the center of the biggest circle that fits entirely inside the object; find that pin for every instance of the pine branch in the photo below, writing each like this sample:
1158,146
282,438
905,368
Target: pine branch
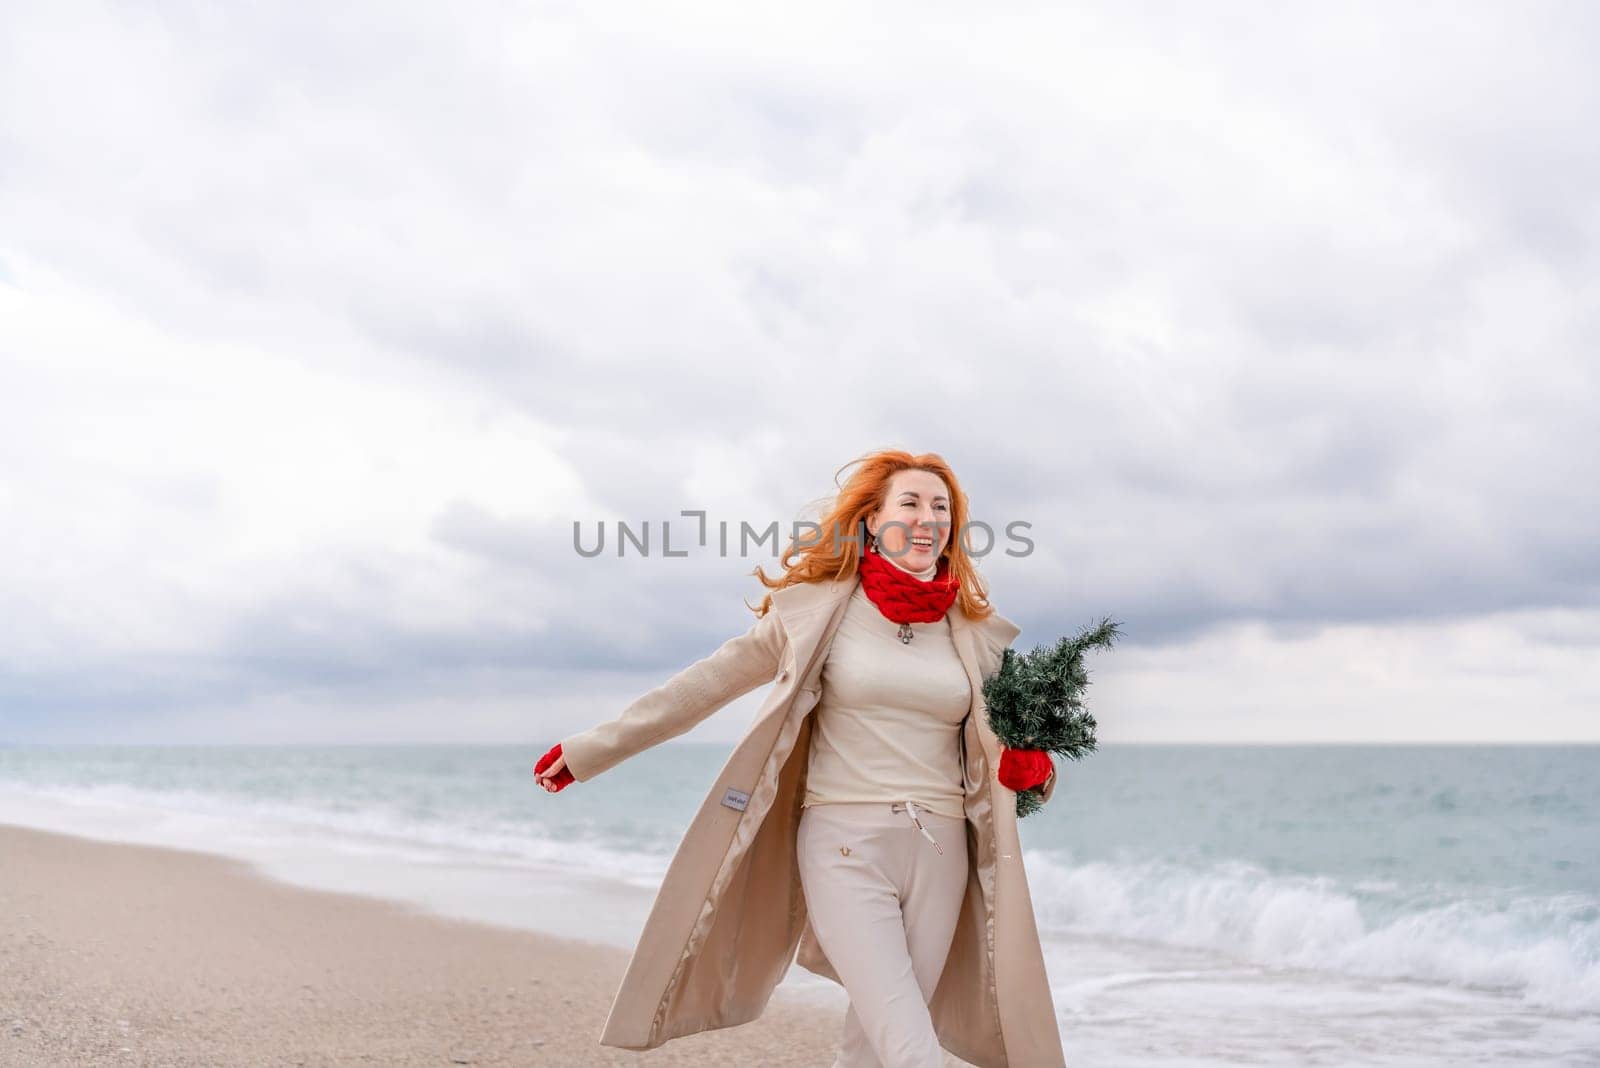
1035,700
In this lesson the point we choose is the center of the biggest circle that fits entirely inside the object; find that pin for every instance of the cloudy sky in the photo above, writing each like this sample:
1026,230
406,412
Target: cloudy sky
320,325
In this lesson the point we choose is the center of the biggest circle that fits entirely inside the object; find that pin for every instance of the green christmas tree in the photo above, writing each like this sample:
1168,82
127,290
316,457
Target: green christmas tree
1035,700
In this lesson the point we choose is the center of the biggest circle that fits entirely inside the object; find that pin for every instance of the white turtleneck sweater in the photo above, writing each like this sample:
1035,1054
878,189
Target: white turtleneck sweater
888,720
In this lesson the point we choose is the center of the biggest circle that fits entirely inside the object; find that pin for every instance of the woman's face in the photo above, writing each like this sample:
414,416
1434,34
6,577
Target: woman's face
913,526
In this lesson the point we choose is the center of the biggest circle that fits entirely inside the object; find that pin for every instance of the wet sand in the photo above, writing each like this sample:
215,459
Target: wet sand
115,954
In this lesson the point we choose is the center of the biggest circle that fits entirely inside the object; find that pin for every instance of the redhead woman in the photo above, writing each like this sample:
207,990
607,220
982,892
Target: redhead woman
867,819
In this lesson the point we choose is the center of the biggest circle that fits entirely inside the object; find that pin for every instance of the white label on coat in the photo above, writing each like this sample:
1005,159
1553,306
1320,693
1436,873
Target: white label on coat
735,798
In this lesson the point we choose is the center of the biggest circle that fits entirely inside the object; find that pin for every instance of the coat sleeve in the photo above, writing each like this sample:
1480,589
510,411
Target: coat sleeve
740,665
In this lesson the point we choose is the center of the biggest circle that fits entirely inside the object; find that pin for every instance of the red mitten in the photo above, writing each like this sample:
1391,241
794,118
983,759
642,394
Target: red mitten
1022,769
564,776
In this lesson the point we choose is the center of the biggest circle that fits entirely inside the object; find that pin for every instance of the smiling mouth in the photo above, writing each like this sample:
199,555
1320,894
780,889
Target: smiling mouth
922,543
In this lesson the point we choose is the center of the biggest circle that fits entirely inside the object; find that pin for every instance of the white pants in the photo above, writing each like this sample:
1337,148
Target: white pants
883,903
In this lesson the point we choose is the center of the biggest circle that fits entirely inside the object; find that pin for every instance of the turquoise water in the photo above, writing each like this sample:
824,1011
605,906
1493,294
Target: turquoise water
1457,888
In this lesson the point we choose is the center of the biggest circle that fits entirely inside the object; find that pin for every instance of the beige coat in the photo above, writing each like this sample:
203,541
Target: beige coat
731,914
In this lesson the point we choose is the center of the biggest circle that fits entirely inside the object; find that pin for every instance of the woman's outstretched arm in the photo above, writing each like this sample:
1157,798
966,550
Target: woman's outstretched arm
740,665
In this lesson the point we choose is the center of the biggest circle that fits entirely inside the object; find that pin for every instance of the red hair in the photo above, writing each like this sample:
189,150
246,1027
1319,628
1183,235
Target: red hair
834,557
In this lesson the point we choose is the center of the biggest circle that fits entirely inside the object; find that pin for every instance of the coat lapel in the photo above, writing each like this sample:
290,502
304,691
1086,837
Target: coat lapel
808,611
1014,980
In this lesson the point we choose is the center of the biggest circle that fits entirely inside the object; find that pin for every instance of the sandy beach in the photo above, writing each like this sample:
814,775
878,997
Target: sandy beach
114,954
392,906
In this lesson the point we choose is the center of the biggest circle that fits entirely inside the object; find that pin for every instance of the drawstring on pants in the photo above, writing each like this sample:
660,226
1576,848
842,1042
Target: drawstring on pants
910,809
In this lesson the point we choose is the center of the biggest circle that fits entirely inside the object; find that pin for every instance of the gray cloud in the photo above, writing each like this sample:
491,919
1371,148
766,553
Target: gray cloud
1275,316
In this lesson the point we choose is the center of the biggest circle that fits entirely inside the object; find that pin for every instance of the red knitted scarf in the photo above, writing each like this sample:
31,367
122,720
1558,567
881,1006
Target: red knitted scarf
901,596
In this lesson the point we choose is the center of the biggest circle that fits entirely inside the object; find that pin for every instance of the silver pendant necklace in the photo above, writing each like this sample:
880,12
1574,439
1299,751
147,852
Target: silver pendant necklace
904,633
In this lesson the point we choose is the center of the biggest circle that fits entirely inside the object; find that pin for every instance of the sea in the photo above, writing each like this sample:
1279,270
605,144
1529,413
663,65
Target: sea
1197,904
